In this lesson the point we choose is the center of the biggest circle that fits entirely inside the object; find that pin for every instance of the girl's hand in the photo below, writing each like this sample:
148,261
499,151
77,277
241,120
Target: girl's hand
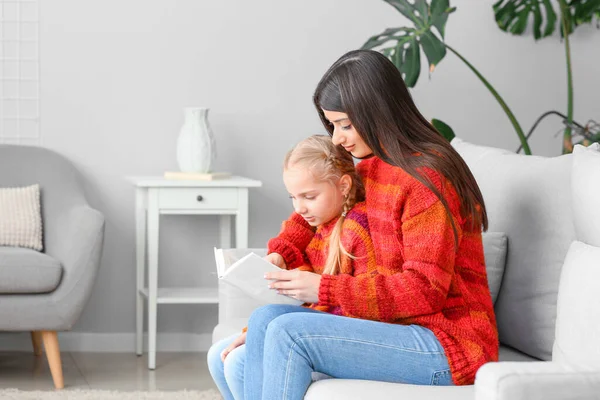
301,285
277,259
240,340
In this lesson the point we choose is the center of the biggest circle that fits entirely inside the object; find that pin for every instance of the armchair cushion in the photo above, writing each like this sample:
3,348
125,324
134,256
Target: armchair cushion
27,271
21,217
578,315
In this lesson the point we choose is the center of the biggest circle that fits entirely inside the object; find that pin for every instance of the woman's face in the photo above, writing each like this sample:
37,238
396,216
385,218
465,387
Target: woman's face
344,134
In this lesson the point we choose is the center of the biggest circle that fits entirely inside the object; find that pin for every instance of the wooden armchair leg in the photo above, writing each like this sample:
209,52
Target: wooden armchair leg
50,339
36,340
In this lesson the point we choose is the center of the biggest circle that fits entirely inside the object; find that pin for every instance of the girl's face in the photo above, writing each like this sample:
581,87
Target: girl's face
318,202
344,134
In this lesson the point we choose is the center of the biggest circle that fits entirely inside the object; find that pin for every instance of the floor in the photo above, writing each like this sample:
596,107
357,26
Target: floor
108,371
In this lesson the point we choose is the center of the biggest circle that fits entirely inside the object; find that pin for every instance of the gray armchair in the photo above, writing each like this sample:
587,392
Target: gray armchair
45,292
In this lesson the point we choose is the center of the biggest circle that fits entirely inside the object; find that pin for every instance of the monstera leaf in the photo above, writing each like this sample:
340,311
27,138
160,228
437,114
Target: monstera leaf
583,11
403,45
513,15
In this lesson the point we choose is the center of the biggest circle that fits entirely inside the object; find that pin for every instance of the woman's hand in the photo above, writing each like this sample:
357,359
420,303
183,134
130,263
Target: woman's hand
301,285
277,259
240,340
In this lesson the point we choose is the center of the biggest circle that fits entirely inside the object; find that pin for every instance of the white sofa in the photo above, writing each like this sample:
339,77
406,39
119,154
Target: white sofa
531,200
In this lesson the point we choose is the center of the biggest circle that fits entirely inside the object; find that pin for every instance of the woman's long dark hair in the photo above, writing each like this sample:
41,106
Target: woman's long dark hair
367,87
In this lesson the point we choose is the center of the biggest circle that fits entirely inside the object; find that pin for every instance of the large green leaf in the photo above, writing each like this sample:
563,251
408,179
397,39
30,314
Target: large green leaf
403,45
444,129
440,10
583,11
407,9
513,16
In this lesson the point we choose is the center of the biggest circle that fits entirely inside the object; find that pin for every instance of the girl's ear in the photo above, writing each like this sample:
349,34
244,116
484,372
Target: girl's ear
345,184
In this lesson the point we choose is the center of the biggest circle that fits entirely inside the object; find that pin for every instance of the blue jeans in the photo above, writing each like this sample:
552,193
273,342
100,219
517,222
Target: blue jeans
228,375
288,343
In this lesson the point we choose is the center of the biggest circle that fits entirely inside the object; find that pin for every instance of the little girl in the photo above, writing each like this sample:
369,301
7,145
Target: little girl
327,192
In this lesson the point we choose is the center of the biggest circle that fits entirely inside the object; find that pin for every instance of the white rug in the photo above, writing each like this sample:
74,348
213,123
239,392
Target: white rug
78,394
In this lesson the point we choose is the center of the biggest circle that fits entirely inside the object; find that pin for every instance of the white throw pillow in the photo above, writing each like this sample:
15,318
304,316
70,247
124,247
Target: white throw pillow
20,217
494,249
585,190
528,198
578,317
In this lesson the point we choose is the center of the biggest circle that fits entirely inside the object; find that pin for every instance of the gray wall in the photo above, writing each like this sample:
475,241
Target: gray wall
116,75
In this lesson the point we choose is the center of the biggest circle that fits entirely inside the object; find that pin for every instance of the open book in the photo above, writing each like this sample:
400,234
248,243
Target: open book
248,274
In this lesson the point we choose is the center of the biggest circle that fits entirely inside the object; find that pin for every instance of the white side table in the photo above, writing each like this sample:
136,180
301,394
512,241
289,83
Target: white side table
156,196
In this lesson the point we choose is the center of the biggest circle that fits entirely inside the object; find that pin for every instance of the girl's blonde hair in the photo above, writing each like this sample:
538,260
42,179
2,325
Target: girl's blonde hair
328,163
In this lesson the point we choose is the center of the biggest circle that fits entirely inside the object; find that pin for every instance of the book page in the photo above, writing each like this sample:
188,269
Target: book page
248,275
225,258
220,261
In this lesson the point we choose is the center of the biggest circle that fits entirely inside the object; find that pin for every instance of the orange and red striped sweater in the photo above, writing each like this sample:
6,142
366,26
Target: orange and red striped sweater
421,277
356,240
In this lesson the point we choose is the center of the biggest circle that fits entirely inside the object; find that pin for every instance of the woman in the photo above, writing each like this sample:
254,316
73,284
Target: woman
435,322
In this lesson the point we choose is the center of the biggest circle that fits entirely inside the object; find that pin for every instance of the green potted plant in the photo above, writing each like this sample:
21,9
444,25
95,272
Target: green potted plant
514,15
403,47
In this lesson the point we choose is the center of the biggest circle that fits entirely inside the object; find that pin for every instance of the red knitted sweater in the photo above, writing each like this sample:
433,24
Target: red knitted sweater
356,240
422,278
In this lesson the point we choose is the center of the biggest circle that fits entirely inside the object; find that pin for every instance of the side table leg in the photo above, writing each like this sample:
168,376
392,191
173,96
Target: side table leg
241,220
225,243
153,222
140,250
225,231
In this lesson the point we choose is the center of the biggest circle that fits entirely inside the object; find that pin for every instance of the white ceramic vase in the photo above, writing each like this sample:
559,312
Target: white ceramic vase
196,151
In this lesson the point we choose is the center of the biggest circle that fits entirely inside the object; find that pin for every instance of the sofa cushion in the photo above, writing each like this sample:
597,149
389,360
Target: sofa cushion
27,271
526,197
21,217
509,354
494,249
585,189
352,389
577,320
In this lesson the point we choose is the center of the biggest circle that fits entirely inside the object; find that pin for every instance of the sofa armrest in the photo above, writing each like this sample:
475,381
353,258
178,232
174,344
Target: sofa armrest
71,241
535,381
